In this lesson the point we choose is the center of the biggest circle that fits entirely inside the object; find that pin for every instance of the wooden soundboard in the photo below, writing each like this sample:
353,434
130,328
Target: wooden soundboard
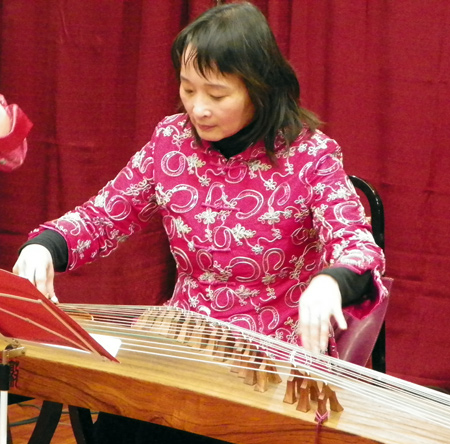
208,400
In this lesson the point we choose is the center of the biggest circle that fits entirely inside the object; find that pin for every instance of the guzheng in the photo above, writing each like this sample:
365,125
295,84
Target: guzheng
195,373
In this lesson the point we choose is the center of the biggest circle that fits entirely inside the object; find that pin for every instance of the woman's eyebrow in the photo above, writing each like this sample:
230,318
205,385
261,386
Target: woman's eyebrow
211,84
184,79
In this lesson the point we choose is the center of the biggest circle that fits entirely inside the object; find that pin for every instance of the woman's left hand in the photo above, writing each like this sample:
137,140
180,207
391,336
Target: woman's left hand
320,302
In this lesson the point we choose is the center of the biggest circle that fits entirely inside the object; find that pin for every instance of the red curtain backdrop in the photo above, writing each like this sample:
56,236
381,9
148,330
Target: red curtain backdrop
95,77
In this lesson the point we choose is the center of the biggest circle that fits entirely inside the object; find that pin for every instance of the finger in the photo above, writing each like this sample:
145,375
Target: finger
340,320
324,335
15,269
51,294
54,299
27,271
338,315
42,283
316,332
304,328
311,332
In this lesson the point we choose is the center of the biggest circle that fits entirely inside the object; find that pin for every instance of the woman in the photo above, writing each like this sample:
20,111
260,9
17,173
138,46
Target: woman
264,225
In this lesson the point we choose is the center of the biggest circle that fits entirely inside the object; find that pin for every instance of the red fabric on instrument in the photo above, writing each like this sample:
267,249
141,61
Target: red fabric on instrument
95,77
25,314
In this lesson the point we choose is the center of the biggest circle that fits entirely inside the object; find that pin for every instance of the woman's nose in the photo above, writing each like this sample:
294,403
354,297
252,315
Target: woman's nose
201,109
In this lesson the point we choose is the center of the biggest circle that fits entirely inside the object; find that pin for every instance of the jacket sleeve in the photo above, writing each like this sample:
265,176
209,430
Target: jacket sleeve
341,223
13,146
122,207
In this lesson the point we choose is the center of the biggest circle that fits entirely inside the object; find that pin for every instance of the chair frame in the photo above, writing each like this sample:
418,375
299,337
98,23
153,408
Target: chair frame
377,221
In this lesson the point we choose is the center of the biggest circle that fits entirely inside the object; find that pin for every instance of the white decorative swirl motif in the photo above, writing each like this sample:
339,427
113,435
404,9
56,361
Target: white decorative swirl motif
143,159
170,226
183,263
71,223
328,164
280,196
219,187
204,310
148,211
222,238
191,200
292,295
273,260
348,213
254,270
204,260
301,235
236,172
244,197
223,299
306,186
272,321
245,321
118,207
180,166
126,174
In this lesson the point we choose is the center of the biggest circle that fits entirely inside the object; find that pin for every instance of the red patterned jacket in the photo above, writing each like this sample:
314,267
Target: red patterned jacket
247,233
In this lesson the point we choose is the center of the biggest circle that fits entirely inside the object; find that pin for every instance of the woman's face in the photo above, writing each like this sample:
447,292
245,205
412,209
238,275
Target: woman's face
218,105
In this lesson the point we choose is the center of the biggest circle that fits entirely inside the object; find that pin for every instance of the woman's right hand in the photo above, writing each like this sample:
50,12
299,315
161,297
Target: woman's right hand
35,263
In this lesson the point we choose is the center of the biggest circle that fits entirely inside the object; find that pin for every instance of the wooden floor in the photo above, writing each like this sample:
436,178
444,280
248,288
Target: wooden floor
22,419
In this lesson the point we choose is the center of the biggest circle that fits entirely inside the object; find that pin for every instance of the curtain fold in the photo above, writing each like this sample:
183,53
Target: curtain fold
96,77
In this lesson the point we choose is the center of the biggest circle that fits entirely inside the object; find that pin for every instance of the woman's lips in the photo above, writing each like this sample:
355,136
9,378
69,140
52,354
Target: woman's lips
205,127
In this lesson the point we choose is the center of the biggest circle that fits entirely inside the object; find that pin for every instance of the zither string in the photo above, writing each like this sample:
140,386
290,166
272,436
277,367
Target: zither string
140,328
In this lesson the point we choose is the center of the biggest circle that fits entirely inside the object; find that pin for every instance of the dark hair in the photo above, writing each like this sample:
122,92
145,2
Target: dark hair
236,39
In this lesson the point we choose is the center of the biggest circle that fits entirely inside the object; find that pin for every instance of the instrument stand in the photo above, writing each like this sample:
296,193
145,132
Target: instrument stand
6,375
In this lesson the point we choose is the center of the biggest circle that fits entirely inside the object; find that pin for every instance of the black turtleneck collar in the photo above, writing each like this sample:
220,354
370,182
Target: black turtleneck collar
235,144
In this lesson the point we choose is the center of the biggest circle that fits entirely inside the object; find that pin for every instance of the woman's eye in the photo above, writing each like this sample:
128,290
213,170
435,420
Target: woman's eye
217,97
188,91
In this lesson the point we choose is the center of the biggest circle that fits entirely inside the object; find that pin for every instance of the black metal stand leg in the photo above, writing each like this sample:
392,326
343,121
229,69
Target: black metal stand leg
82,425
379,351
47,422
9,436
